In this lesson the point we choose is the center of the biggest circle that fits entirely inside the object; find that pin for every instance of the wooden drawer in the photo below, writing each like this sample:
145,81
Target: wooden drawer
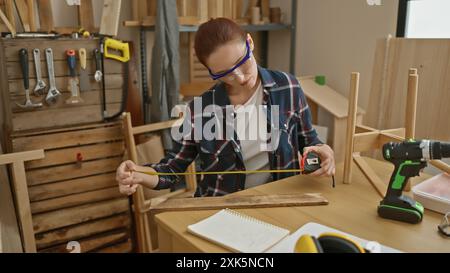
59,114
72,200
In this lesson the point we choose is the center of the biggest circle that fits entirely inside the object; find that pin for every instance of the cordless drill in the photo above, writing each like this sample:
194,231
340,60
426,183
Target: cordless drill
409,158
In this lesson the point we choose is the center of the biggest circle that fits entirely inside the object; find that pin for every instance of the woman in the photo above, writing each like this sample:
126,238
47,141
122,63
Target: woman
244,87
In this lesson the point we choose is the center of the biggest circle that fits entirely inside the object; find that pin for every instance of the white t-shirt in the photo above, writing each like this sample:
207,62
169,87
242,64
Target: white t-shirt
251,129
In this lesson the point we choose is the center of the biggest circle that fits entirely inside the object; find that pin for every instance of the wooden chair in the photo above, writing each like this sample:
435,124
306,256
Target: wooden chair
20,188
145,233
327,99
363,138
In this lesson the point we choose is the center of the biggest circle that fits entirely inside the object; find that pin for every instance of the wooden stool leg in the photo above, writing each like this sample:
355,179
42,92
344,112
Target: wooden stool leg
411,109
351,123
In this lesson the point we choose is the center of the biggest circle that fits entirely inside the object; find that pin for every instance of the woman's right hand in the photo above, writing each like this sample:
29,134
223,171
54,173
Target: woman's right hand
128,182
129,179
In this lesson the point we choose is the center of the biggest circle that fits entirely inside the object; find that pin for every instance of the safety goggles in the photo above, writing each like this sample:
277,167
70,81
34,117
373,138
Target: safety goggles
226,73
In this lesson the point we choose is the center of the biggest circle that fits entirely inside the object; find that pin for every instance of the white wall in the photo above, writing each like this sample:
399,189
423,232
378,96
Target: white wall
428,19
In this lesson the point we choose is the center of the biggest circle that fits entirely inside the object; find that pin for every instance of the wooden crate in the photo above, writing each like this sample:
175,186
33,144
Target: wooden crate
60,114
72,200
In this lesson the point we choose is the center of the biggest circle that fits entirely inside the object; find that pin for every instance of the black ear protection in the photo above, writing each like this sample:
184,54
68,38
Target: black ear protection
327,243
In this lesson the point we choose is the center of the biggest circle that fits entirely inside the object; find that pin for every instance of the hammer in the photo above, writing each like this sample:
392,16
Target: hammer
23,56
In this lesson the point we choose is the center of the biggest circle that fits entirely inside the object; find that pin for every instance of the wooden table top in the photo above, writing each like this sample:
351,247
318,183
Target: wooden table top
352,209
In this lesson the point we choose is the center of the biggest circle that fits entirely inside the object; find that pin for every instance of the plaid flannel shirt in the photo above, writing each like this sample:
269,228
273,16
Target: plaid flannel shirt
295,133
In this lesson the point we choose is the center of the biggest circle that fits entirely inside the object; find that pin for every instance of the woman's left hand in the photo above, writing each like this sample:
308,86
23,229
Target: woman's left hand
326,154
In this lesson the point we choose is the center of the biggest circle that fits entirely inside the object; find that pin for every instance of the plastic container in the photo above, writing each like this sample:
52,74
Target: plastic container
434,193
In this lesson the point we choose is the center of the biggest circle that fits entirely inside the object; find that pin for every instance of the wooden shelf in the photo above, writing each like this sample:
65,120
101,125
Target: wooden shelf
191,24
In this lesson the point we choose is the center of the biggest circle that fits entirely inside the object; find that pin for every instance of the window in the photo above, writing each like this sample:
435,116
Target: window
424,19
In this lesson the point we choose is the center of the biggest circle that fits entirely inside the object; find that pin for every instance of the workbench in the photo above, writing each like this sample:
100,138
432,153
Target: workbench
352,209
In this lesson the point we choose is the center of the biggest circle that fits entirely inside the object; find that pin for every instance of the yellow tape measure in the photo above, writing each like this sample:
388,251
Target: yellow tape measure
222,173
142,170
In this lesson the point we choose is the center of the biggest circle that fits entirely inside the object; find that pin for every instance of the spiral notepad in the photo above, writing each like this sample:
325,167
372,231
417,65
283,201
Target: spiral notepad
238,232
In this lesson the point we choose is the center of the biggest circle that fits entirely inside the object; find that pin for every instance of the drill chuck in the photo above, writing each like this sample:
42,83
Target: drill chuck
434,150
416,150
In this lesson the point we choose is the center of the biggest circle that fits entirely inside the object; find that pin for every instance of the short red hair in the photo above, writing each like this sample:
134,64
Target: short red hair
214,33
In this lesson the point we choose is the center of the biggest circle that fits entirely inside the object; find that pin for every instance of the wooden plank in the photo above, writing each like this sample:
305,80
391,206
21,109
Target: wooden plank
87,126
75,186
5,114
386,137
181,8
152,8
154,127
399,132
228,8
441,165
143,238
65,139
86,15
265,10
373,178
110,17
238,8
327,98
431,57
22,10
21,157
64,235
45,15
69,155
60,117
212,8
10,234
7,23
150,21
31,16
71,171
71,216
364,129
235,202
202,10
143,235
125,247
23,207
135,10
192,57
365,142
351,124
90,98
9,7
191,180
90,244
143,9
75,200
192,8
251,4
